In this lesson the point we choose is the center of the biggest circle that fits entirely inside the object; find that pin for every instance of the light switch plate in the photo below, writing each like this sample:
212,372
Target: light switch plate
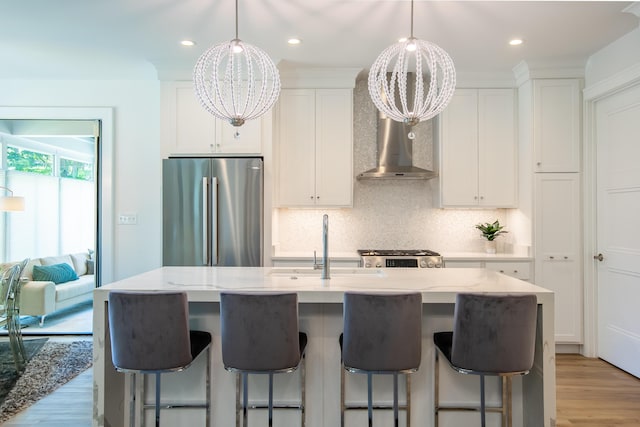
128,219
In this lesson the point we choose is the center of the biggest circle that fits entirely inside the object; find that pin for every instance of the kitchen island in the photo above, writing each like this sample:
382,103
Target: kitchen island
321,318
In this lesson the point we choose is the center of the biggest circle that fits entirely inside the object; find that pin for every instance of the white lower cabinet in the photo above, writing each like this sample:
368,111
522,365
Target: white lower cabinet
519,269
557,223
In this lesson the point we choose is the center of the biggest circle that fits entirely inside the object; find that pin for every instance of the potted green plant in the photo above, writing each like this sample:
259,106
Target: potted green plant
491,230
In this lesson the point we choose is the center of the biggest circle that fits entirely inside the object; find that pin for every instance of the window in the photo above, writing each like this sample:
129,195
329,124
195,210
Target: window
22,160
75,169
56,176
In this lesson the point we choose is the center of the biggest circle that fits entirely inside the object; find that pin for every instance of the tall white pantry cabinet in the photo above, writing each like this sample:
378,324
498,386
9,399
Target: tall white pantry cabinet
557,213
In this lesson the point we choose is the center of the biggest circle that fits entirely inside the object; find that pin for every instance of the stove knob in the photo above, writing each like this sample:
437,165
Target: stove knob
378,265
439,265
367,264
423,264
430,264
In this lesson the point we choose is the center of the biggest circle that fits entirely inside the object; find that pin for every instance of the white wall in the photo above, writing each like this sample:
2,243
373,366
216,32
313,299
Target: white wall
136,151
616,57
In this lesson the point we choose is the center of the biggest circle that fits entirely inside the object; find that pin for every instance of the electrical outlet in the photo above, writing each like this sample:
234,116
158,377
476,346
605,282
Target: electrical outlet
128,219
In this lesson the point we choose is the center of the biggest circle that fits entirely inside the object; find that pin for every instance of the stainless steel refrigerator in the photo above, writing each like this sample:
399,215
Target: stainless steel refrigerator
212,211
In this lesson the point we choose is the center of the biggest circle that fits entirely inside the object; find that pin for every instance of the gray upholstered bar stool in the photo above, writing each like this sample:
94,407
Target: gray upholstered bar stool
382,335
492,335
260,335
150,334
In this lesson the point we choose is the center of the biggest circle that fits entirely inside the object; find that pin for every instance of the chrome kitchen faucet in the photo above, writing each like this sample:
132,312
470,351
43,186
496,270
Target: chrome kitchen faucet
325,250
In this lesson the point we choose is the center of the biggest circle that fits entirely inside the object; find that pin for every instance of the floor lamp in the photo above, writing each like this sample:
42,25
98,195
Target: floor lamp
11,203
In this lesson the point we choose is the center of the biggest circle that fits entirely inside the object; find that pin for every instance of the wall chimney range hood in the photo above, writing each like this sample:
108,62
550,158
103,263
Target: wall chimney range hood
395,150
395,153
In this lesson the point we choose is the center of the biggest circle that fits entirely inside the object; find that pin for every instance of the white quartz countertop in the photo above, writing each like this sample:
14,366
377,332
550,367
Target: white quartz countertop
436,285
481,256
448,256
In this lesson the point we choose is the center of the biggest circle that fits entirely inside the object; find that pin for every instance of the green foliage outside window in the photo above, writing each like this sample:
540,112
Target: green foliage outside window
29,161
75,169
42,163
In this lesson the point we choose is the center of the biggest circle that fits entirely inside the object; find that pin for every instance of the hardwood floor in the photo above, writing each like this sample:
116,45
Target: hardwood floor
593,393
590,393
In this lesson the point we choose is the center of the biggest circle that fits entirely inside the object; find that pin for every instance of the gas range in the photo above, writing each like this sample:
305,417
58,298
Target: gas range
411,258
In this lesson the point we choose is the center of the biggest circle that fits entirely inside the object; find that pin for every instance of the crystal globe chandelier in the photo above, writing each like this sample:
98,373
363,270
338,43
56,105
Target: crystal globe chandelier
236,81
432,72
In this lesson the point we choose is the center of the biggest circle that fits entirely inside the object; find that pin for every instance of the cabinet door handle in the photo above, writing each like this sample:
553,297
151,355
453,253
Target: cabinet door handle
599,257
515,271
566,257
538,164
481,197
551,257
311,197
501,271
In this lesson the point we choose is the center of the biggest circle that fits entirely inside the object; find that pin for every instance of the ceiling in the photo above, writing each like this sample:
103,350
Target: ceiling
94,34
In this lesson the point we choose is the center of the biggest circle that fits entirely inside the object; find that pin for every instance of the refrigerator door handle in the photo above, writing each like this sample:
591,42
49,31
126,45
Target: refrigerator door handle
205,221
214,221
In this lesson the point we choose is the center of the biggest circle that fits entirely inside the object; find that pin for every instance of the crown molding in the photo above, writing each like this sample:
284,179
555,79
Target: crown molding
318,78
524,72
633,8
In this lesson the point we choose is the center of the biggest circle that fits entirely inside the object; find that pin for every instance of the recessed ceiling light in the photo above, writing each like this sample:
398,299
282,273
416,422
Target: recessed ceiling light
188,43
516,42
294,41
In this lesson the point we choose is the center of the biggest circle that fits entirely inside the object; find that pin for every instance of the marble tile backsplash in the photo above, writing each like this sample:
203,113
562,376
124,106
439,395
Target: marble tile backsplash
386,214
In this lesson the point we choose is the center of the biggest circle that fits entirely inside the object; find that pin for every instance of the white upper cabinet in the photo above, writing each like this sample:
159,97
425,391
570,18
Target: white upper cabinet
556,125
477,149
187,128
314,148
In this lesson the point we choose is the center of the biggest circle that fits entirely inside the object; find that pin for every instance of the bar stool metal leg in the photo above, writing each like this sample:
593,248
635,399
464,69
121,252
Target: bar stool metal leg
436,391
342,396
408,396
370,398
245,398
395,399
157,399
504,413
483,422
270,399
509,402
303,392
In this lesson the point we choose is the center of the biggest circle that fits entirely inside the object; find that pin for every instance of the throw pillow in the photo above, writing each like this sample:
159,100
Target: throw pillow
57,273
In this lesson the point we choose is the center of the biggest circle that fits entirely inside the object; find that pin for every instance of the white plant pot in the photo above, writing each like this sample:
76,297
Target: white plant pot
490,246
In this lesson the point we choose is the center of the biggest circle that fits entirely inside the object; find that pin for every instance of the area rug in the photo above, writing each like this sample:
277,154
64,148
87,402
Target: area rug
8,373
53,365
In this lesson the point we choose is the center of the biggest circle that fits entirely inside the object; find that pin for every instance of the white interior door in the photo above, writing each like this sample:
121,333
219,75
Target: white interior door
618,159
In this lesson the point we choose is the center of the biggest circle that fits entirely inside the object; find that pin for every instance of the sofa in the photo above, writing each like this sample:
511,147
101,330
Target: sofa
43,297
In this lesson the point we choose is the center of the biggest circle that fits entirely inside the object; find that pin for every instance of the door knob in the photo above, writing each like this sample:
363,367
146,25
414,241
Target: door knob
599,257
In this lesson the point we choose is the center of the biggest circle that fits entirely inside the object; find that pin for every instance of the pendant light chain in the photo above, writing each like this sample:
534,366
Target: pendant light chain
236,81
237,19
411,18
417,65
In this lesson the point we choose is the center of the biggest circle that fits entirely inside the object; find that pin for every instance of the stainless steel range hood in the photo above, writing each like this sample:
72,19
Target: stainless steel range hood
395,150
395,153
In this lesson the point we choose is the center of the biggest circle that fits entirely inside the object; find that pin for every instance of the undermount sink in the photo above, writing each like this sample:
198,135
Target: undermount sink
334,272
